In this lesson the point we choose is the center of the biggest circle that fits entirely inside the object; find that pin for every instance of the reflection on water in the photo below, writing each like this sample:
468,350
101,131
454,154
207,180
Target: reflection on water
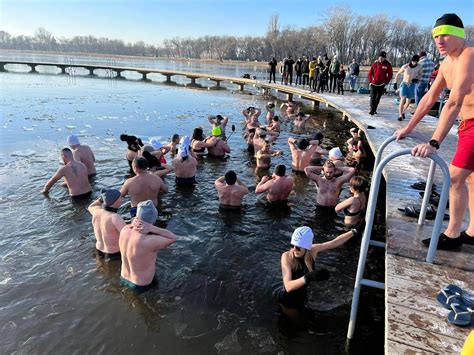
215,285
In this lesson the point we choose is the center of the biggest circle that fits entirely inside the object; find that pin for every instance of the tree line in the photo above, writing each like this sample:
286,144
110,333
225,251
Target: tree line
340,31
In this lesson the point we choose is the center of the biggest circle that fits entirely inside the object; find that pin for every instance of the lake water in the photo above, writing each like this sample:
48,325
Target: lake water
216,283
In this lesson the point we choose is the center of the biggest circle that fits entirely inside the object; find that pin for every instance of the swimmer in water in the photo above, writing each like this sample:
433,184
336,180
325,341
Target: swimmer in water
173,145
297,266
82,153
354,207
143,186
230,190
75,175
301,156
300,121
278,187
265,155
328,187
290,107
218,121
185,164
133,146
107,223
198,143
139,244
219,147
270,112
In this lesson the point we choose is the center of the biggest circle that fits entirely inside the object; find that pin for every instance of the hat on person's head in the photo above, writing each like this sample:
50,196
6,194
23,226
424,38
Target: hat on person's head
270,104
184,143
148,148
302,237
216,131
415,58
147,212
318,136
155,143
354,129
383,54
422,54
109,196
335,153
72,140
449,24
335,56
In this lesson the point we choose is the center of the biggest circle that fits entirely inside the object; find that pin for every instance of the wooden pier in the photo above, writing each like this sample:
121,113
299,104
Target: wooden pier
414,321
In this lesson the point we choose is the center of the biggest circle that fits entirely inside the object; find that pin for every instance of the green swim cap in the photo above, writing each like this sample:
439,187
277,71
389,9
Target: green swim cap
216,131
449,24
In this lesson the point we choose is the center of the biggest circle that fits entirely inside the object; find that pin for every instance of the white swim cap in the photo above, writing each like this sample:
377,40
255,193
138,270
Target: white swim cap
302,237
184,143
336,153
72,140
155,143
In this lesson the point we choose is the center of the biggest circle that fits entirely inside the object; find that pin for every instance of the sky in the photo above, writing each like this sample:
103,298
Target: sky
152,21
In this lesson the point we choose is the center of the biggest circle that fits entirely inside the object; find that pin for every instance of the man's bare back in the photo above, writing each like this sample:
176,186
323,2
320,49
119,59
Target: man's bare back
84,154
143,187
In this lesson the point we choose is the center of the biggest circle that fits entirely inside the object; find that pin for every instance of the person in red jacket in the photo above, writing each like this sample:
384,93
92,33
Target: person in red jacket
380,74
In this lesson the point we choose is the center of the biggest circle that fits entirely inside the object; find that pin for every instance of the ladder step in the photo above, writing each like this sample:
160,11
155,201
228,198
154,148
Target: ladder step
377,244
372,283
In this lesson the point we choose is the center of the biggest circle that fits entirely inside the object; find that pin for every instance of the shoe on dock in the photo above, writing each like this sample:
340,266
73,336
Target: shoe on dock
444,242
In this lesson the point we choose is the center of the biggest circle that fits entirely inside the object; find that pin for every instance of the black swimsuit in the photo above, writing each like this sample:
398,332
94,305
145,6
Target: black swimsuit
296,298
352,214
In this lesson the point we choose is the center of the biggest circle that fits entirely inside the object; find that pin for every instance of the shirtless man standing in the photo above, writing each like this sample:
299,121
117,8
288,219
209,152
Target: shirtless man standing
220,147
231,190
301,156
139,244
75,176
457,74
107,222
278,187
218,121
328,187
144,186
264,156
82,153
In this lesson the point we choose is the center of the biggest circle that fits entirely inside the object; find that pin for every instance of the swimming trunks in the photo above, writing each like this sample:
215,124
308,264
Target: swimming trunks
101,254
93,175
133,212
251,149
229,207
189,181
464,156
135,287
82,197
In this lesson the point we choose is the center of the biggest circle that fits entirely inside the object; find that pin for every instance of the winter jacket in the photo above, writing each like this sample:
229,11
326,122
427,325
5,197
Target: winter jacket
380,73
334,68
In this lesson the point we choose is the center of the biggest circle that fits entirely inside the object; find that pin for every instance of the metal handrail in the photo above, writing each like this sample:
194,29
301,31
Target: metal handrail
372,201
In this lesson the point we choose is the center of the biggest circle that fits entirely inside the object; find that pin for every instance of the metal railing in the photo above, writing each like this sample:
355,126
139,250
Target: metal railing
379,165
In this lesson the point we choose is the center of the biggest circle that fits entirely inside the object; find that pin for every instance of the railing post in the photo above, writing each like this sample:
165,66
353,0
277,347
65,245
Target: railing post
426,196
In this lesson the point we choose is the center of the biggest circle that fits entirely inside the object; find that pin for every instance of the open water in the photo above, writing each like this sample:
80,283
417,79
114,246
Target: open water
216,283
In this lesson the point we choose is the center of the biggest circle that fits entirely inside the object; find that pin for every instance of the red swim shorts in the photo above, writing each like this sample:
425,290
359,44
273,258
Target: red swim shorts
464,156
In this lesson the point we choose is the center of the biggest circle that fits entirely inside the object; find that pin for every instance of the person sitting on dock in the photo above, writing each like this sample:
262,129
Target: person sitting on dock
328,186
301,156
354,207
107,223
139,244
218,121
185,164
457,74
230,190
75,176
82,153
278,187
219,147
144,186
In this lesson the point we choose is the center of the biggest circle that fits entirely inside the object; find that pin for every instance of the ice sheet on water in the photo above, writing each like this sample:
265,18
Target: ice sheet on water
70,127
27,128
22,153
229,345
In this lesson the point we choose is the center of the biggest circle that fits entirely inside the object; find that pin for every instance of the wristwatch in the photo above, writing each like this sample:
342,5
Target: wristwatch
434,143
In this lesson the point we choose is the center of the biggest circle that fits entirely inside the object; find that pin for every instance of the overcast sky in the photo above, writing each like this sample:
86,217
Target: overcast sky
154,20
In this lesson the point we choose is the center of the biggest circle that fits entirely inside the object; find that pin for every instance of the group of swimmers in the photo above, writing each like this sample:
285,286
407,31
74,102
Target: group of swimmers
137,243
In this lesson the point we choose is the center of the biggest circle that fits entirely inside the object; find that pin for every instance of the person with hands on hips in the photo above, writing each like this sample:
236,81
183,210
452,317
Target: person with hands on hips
457,74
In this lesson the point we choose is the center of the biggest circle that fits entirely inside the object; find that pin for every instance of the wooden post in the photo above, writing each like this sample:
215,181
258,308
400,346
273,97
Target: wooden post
63,69
91,71
241,87
168,78
33,68
2,67
315,103
289,97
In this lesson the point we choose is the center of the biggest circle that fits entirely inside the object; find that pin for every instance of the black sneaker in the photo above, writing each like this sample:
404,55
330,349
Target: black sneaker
445,243
376,112
403,115
400,118
466,238
371,113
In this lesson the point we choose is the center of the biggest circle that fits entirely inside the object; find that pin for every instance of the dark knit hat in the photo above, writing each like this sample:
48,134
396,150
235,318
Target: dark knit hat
383,54
109,196
449,24
415,58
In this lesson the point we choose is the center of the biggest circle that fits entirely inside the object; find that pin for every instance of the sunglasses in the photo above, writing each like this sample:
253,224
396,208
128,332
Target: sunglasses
295,247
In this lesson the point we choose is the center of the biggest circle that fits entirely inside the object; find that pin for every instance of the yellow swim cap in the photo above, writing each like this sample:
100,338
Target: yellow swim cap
216,131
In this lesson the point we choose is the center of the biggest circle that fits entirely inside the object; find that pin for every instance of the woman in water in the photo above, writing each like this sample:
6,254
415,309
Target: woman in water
354,207
198,144
297,265
173,145
185,164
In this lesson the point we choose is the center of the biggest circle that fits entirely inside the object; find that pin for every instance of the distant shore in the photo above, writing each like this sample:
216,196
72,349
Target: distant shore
249,63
